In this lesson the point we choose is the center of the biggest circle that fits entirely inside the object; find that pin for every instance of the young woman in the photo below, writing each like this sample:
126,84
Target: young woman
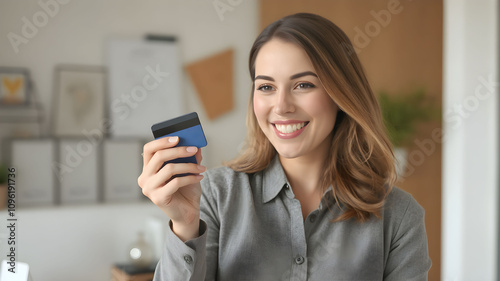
311,196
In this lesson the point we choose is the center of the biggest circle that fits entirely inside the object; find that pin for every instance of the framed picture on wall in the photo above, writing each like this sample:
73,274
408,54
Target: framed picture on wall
15,86
79,100
79,171
122,164
33,161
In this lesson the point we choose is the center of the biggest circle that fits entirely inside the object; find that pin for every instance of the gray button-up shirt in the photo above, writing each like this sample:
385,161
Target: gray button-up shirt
252,228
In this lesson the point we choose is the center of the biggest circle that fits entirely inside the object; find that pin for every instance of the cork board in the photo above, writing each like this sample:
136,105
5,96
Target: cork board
213,80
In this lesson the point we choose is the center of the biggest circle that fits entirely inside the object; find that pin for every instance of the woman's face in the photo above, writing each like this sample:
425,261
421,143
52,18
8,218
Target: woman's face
290,103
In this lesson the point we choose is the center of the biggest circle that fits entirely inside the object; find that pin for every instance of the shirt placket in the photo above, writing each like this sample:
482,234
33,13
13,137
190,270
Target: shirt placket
298,239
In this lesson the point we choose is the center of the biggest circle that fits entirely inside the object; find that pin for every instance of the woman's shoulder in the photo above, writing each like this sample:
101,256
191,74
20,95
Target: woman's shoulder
400,206
399,199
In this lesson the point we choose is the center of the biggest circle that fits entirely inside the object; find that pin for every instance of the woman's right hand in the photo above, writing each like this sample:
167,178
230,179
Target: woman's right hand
177,197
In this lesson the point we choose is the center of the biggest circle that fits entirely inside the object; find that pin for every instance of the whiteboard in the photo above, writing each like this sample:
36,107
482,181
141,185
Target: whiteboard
145,79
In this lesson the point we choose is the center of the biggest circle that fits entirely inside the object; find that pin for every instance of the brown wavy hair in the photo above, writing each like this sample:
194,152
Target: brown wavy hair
360,165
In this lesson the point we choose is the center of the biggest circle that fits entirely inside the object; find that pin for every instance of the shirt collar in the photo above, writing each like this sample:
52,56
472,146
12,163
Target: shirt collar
274,179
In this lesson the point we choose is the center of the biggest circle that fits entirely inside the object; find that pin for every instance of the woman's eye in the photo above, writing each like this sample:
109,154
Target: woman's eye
304,86
265,88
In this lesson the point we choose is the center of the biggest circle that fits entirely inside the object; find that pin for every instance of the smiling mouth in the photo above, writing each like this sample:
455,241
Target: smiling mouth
290,128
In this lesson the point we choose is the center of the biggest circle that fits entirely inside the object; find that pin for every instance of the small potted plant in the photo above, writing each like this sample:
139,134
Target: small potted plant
4,173
402,113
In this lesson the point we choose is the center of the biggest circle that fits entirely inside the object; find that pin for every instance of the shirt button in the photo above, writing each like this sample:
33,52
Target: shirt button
188,259
312,218
299,259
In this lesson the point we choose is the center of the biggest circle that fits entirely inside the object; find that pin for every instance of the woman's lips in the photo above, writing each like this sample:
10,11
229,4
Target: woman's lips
289,129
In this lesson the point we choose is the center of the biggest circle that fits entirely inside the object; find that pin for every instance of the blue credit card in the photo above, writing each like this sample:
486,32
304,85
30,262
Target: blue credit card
187,128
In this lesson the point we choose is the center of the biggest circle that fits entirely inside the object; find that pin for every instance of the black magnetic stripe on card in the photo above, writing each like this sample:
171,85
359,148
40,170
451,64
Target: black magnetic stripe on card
175,120
167,127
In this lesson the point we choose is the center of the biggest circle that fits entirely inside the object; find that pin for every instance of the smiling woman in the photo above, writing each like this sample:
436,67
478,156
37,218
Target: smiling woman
311,197
306,63
287,106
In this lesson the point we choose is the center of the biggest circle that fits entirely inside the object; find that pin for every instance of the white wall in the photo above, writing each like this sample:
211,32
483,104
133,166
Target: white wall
81,243
470,154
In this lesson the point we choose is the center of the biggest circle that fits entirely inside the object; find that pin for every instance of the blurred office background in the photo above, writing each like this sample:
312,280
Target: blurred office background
445,49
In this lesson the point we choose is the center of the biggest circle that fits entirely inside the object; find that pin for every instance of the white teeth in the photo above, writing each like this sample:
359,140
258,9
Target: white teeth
287,129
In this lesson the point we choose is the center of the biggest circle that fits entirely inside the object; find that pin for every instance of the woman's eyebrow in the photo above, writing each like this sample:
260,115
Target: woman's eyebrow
264,77
295,76
305,73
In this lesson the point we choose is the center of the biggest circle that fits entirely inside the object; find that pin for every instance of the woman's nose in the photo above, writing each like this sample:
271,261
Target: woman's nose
283,103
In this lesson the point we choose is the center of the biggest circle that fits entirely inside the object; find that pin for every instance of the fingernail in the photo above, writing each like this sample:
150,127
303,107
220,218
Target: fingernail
173,139
201,168
191,149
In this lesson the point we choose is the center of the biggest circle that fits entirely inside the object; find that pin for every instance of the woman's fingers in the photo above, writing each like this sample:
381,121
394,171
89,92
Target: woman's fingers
162,196
160,157
177,183
171,170
166,174
156,153
152,147
198,156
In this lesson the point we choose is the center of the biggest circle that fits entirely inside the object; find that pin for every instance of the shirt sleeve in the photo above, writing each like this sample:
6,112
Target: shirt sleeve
196,259
408,257
182,260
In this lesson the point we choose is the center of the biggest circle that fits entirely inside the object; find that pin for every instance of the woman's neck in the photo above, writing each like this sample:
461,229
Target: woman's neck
304,173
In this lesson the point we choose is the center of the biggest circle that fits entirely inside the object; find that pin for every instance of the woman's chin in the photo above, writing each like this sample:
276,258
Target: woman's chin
288,153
